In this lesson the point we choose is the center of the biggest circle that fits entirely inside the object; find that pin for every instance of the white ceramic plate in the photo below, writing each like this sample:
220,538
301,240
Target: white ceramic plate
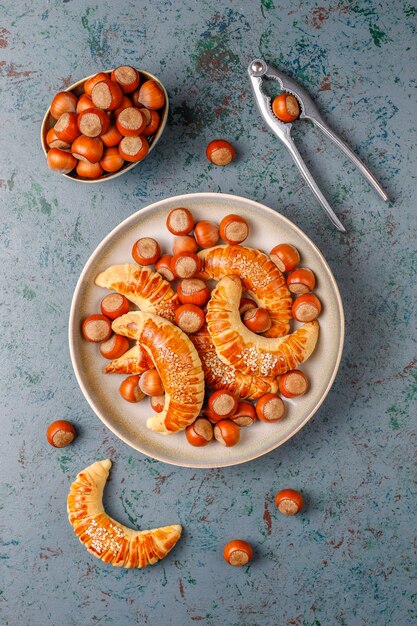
127,421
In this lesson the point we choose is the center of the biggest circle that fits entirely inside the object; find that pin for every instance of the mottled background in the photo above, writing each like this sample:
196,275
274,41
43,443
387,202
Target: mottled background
350,557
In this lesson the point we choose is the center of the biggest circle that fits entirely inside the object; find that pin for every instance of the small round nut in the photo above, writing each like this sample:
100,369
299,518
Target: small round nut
220,152
60,433
289,502
238,552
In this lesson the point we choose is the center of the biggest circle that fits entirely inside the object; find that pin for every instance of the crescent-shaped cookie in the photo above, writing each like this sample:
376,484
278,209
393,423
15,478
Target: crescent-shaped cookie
250,353
260,278
178,365
111,541
140,285
218,375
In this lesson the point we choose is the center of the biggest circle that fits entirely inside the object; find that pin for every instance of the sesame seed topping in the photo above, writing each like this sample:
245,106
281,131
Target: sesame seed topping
216,369
103,540
250,270
179,368
255,361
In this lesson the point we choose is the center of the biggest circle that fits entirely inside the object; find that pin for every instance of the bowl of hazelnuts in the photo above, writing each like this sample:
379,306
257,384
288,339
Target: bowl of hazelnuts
104,125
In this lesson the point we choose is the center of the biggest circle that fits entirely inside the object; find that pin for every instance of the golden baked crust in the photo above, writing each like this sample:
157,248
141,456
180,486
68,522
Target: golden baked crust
131,362
219,375
178,365
253,354
107,539
140,285
260,278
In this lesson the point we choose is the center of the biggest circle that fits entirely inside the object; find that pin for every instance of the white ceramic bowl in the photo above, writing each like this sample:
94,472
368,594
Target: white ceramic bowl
127,421
48,122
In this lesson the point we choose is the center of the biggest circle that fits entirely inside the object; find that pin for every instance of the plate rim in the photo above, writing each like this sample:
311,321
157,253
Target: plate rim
148,209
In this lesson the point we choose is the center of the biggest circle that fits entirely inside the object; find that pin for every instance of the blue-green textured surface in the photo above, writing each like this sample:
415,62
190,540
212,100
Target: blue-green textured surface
350,558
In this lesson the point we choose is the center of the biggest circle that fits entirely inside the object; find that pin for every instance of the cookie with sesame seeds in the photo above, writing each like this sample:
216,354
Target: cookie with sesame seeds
177,362
219,375
104,537
260,278
249,352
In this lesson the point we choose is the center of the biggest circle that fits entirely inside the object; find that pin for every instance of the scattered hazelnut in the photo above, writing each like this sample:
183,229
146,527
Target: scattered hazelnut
60,433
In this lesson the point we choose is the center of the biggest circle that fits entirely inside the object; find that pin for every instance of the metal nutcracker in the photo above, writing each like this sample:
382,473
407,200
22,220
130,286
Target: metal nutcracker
259,70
